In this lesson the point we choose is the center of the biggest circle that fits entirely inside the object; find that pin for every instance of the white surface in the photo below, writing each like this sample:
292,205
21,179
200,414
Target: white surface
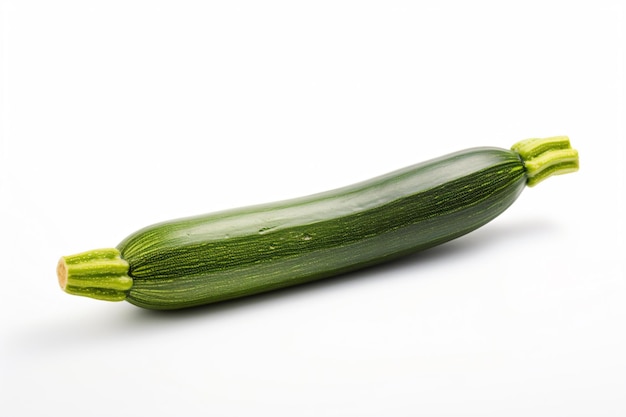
119,114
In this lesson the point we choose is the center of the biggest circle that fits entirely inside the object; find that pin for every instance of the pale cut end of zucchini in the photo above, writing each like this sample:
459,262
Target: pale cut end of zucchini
62,273
546,157
101,274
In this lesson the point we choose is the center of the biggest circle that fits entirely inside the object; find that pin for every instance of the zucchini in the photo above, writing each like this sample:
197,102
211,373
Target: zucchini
234,253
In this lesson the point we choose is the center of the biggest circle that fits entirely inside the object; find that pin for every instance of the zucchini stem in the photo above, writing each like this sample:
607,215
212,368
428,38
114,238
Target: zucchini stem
545,157
101,274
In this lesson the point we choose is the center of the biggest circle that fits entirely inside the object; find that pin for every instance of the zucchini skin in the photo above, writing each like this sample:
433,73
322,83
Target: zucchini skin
234,253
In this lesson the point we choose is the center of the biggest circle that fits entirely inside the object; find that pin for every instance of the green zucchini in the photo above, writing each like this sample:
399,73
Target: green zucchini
229,254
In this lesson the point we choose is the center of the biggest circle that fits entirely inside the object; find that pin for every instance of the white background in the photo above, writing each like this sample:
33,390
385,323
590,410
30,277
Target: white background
119,114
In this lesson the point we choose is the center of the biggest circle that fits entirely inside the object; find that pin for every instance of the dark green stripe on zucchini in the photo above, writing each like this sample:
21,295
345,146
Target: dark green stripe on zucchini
239,252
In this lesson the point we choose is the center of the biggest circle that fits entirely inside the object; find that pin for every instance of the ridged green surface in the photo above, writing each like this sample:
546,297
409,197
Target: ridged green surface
99,274
239,252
